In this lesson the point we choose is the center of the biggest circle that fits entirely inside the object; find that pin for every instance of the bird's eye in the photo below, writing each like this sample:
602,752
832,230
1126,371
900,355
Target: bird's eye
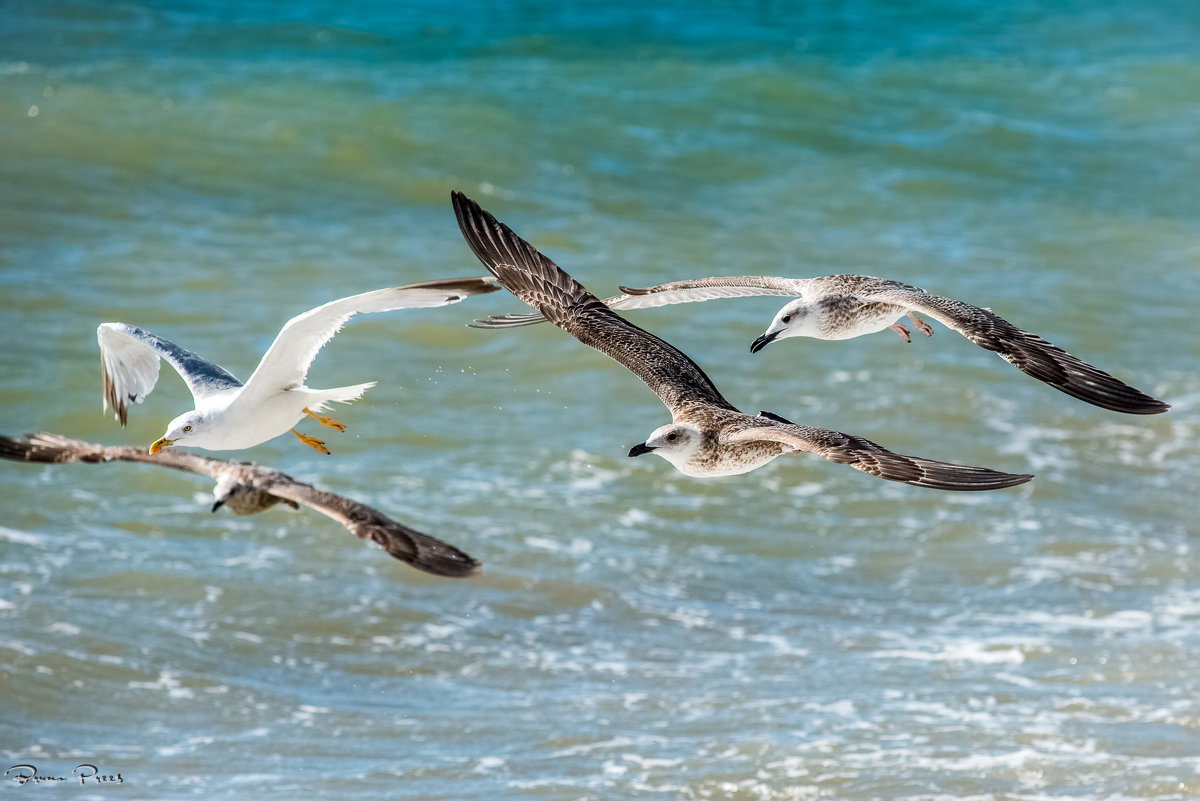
187,428
787,318
672,437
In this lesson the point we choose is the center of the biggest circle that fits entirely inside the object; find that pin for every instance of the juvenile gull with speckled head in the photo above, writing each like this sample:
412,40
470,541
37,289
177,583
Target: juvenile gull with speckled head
708,435
847,306
247,489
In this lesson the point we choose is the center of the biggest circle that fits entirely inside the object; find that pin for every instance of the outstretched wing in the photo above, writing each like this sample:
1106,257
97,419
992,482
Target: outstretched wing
261,487
286,362
693,291
56,449
129,367
538,281
408,545
701,289
1028,352
864,455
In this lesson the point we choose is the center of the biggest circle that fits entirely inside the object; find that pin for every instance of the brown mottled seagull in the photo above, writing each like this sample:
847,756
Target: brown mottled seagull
848,306
230,415
247,489
708,435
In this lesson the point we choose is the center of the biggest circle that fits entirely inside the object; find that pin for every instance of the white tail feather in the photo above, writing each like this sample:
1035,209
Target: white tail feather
338,394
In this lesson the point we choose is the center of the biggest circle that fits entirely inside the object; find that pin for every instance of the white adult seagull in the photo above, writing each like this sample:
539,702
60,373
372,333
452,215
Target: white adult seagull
230,415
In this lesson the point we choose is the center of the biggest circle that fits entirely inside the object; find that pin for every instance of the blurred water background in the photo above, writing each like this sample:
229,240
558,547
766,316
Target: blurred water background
209,169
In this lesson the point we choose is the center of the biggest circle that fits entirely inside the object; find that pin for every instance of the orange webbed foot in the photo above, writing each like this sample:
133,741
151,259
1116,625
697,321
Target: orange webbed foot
328,422
312,442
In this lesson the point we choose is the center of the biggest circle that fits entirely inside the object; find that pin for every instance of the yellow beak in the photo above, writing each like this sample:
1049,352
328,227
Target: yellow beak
159,444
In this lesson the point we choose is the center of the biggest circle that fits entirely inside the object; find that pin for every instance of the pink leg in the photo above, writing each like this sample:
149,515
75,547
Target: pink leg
922,326
901,331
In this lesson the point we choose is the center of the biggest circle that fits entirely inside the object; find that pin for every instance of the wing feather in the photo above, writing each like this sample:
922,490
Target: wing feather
693,291
129,367
258,488
406,544
286,362
876,460
1028,352
535,279
702,289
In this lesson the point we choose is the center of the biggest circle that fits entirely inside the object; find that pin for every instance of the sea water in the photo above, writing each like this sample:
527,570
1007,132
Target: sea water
207,170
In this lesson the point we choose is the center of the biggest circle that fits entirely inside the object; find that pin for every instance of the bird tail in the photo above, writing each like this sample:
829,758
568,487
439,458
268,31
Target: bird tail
339,394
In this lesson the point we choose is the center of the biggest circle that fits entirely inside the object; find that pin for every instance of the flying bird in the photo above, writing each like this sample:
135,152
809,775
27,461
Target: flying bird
230,415
247,489
708,436
848,306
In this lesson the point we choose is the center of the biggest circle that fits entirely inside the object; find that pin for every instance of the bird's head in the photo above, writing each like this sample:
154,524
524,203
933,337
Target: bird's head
793,320
186,429
242,498
676,442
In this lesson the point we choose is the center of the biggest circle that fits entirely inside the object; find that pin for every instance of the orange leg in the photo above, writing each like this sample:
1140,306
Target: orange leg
328,422
312,442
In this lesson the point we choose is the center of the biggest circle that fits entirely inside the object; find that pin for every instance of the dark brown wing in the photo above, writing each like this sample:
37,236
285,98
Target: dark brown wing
1028,352
538,281
864,455
56,449
419,550
408,545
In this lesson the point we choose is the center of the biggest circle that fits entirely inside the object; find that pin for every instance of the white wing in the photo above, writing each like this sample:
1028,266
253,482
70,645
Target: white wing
701,289
129,367
286,362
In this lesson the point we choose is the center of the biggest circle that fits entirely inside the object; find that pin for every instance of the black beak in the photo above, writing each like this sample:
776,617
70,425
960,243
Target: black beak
638,450
762,342
217,504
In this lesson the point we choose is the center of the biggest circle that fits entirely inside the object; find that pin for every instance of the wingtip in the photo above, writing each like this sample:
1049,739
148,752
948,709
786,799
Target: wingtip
997,479
458,288
1004,480
1151,406
461,203
457,566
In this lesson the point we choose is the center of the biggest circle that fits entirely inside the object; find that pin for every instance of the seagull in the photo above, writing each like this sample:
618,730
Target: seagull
247,489
708,436
847,306
230,415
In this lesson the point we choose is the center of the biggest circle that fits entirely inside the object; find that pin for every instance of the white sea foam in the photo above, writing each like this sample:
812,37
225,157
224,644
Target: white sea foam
970,651
576,547
167,681
20,648
23,537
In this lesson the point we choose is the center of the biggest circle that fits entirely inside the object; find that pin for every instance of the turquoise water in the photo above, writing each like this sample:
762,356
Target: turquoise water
208,170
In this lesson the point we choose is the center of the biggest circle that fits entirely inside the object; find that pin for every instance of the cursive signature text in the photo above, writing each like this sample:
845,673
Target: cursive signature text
85,773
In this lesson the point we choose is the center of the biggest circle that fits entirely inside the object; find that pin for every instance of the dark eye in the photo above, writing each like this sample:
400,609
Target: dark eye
787,318
672,437
187,428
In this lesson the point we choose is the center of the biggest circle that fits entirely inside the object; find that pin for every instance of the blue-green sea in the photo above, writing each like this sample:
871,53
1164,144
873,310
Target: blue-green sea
207,170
